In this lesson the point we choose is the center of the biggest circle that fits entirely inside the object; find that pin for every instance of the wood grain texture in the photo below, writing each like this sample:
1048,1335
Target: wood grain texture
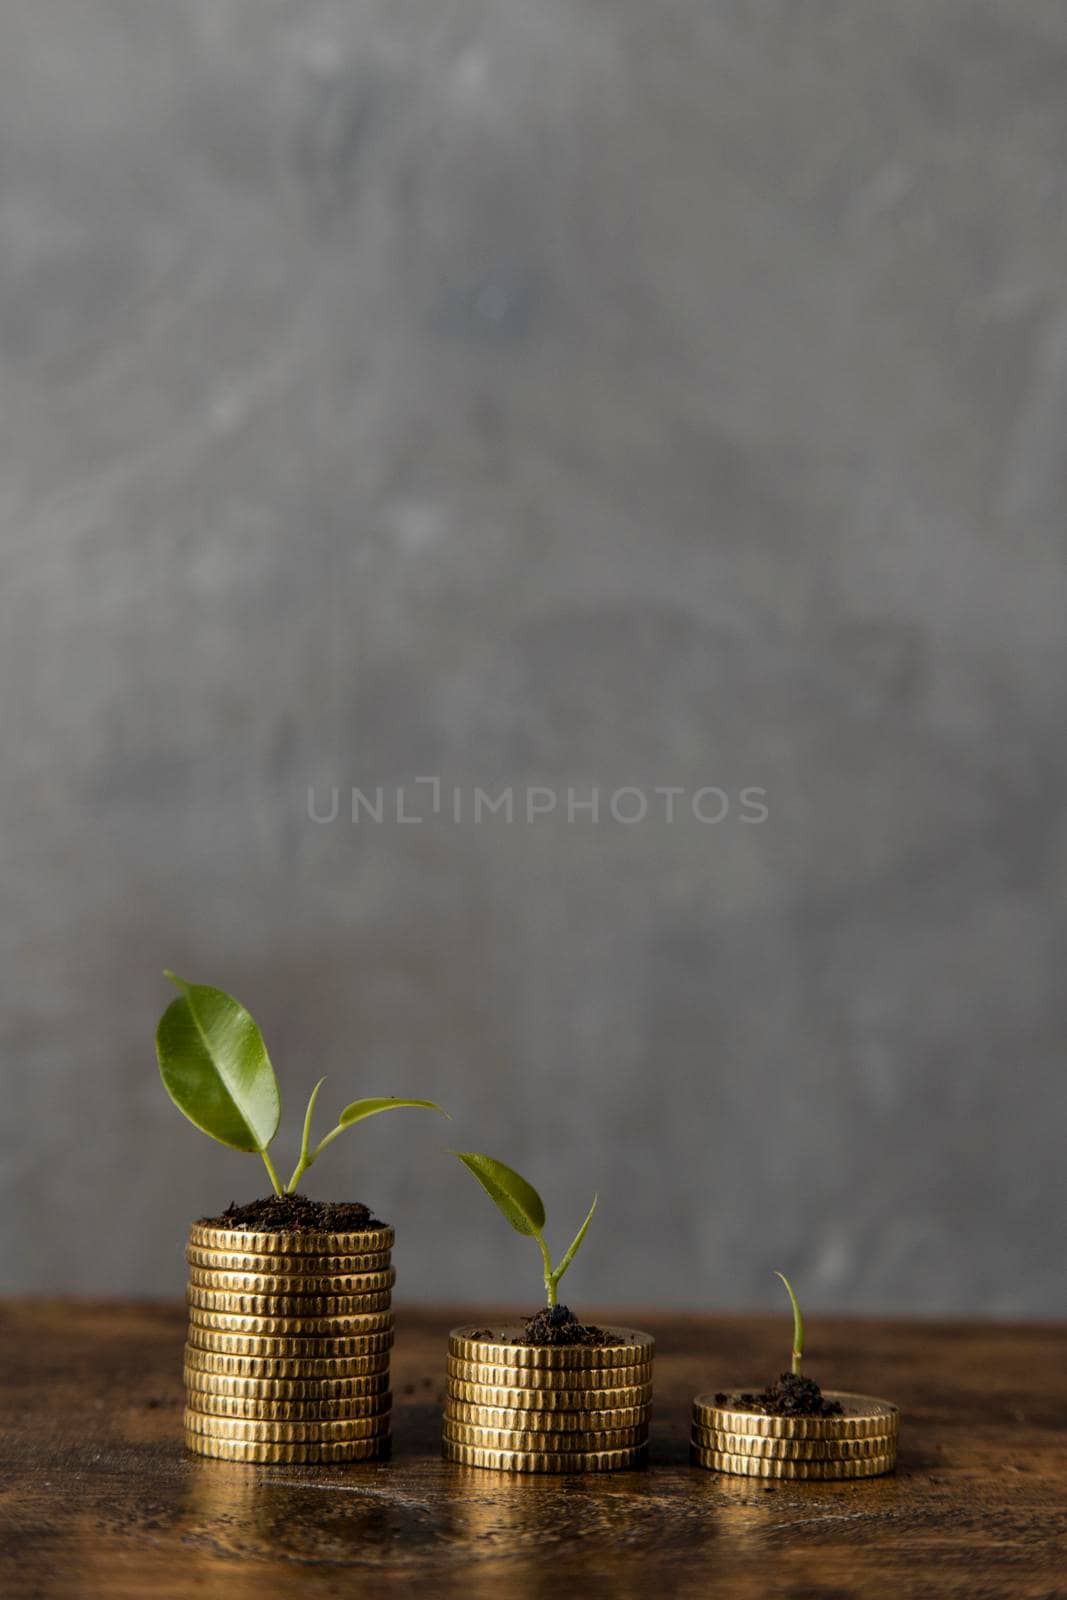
98,1496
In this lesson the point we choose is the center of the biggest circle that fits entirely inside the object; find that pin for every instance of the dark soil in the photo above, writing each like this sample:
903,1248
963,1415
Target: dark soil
559,1325
791,1396
295,1213
552,1325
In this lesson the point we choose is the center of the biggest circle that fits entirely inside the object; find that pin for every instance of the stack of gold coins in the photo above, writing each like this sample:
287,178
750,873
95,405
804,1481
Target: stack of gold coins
287,1358
547,1408
860,1443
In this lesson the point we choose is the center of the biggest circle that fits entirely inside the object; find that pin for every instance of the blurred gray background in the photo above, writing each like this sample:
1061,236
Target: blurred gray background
578,396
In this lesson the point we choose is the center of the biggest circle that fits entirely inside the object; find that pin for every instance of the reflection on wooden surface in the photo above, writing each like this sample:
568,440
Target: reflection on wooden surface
99,1497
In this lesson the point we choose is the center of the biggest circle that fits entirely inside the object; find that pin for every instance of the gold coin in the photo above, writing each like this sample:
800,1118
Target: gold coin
554,1443
335,1409
293,1392
863,1417
291,1327
275,1431
764,1467
286,1369
549,1378
292,1266
742,1444
298,1287
549,1400
235,1405
267,1454
371,1241
255,1344
546,1422
473,1455
629,1349
285,1305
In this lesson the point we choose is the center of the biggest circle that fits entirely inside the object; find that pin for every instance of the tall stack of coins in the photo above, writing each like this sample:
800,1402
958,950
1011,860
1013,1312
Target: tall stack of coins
287,1358
861,1443
547,1408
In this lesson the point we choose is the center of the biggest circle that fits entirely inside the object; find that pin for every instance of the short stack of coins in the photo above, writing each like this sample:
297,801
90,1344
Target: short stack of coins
289,1335
547,1408
860,1443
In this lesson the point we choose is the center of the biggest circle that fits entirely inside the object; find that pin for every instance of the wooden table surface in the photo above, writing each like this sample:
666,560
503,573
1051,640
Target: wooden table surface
97,1496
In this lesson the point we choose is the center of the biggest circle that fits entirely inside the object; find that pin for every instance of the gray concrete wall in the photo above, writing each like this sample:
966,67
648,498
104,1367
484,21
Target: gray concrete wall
571,395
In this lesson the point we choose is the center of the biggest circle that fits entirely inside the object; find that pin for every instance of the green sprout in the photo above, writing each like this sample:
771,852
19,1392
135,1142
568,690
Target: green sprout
798,1324
216,1069
524,1209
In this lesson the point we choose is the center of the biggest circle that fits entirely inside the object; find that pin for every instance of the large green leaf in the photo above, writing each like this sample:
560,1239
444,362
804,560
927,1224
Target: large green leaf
215,1067
517,1199
370,1108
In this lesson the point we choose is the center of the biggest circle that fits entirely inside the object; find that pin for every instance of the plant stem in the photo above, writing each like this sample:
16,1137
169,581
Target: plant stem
550,1280
269,1164
307,1157
798,1324
335,1133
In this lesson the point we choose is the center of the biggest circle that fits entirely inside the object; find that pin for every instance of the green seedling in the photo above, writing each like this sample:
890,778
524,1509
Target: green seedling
216,1069
798,1324
524,1209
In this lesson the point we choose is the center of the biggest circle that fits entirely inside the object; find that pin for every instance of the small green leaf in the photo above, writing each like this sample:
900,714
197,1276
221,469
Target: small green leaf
215,1067
798,1322
517,1199
305,1142
370,1108
573,1251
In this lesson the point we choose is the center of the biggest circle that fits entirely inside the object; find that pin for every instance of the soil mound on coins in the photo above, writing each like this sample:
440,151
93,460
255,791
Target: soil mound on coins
295,1213
791,1396
559,1325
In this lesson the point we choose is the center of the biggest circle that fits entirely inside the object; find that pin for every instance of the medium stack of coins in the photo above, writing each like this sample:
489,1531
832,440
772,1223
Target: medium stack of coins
547,1408
289,1336
861,1443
